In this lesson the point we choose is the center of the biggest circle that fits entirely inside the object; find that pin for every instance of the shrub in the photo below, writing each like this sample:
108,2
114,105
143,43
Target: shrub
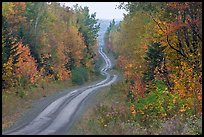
79,75
97,65
158,104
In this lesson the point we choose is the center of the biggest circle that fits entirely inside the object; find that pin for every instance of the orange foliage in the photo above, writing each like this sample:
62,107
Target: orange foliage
26,64
16,15
138,87
186,85
178,5
63,74
7,73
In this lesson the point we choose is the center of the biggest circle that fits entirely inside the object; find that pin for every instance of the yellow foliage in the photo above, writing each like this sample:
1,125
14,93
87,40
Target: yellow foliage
186,85
26,65
8,71
132,109
63,74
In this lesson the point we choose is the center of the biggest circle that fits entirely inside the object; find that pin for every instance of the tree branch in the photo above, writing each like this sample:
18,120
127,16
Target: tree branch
195,31
167,38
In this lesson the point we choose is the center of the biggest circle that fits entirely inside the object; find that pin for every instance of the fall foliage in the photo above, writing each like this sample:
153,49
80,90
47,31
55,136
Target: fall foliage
45,42
158,47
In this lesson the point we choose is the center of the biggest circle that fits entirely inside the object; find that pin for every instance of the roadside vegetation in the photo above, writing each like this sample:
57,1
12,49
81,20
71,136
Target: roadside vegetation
158,48
110,115
45,47
158,51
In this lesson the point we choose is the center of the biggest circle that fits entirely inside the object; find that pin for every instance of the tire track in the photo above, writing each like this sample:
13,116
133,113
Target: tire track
60,113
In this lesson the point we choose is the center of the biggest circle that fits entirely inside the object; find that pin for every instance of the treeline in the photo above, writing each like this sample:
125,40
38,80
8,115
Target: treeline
47,42
158,46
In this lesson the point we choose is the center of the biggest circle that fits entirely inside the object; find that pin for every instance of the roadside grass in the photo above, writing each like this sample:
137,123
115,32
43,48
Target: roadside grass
110,115
105,100
14,106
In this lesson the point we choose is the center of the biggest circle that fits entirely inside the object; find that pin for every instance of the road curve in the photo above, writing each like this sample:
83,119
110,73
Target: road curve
57,116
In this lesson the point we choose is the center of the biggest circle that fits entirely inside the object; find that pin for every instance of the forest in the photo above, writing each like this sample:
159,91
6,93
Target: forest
47,42
157,48
46,47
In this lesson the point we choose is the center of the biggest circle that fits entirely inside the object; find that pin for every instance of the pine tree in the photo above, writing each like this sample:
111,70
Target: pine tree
154,58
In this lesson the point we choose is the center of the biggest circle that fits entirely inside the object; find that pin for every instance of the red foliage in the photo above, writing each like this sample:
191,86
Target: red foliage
16,17
179,5
138,87
26,64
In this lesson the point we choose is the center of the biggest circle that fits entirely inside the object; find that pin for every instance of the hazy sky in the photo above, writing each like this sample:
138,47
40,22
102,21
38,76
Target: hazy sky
104,10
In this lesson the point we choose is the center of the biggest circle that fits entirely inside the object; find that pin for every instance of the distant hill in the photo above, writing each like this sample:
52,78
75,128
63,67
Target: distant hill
103,27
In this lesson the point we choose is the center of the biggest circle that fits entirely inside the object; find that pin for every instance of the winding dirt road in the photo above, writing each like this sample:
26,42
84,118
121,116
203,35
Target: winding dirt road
57,117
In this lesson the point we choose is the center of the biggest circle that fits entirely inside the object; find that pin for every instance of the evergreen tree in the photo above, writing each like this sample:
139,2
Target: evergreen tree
154,58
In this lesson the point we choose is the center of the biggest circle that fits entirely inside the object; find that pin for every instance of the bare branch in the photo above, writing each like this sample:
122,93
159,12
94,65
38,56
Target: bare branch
167,38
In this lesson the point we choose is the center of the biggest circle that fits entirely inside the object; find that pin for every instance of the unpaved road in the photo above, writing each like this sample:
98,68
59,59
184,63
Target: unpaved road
58,116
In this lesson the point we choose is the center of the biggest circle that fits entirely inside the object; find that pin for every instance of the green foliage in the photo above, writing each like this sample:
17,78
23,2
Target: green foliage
79,75
107,36
158,105
130,97
97,65
114,120
20,92
55,51
111,27
23,81
6,8
9,59
154,58
133,7
170,66
110,115
88,26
